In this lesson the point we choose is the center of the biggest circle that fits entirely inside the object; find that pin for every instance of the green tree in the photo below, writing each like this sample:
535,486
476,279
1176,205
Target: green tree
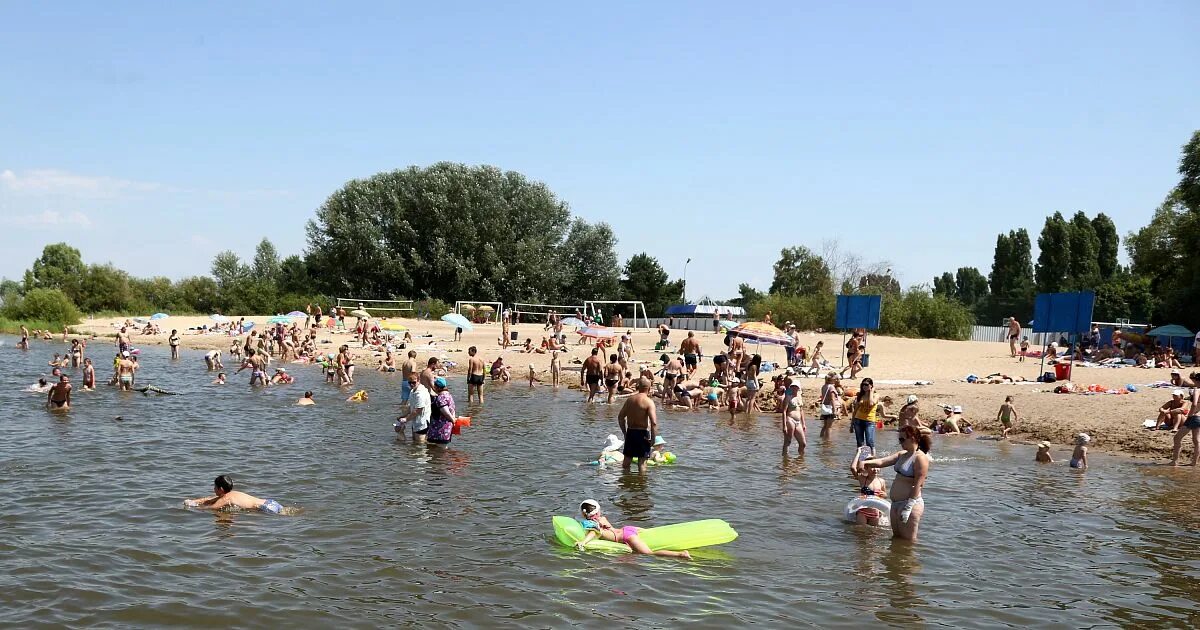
879,283
945,286
800,272
266,262
589,264
1084,253
1189,174
970,287
1011,278
105,288
59,267
1110,245
1053,272
48,305
293,276
448,231
1125,296
747,295
647,281
198,294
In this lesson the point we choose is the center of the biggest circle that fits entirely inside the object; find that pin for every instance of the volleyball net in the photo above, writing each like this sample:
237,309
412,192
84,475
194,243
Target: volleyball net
540,313
379,308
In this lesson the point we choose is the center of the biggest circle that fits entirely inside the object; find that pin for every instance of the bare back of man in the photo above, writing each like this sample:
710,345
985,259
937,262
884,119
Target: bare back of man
638,421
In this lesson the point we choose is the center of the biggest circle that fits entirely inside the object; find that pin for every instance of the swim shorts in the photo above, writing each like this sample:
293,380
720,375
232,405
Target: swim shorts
638,443
405,391
474,379
690,360
593,379
1193,422
271,506
126,379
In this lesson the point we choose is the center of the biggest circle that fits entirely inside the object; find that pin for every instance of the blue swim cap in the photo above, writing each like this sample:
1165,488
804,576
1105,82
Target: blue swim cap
439,382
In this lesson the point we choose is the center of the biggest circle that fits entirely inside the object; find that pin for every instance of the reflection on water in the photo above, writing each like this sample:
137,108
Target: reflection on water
390,533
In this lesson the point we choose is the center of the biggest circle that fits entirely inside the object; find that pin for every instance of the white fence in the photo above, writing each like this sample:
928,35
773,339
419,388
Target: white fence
704,324
1000,333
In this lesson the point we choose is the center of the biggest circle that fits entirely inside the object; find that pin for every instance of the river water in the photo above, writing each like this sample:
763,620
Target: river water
388,533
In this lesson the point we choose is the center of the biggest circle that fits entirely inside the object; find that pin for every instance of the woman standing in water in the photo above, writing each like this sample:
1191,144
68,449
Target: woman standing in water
866,406
442,416
912,468
793,420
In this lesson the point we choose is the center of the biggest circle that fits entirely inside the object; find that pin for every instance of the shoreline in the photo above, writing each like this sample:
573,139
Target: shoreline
1113,421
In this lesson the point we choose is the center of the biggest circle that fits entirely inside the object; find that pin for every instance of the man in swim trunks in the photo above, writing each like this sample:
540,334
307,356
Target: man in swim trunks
690,348
258,364
590,374
638,421
226,496
429,373
59,396
475,369
122,340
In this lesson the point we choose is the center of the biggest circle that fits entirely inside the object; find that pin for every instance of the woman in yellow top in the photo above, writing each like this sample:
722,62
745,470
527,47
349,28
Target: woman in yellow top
866,411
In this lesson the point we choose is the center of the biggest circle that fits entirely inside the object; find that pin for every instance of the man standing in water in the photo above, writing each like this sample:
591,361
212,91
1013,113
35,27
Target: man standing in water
590,373
125,369
258,362
474,374
638,422
59,396
1014,334
24,342
429,373
407,369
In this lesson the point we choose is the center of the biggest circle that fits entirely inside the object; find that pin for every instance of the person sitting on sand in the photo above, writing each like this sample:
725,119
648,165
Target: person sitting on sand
597,526
307,399
1043,454
226,497
1173,412
1079,455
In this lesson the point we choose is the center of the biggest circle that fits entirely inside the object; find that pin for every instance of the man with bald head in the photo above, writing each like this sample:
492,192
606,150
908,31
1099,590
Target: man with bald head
638,422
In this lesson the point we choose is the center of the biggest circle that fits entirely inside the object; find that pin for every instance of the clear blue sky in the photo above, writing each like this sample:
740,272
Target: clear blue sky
915,133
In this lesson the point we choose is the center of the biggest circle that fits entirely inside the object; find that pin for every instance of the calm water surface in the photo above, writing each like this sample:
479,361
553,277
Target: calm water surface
94,531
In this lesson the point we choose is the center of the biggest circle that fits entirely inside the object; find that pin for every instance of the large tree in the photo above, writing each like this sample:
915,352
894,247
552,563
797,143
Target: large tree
449,231
589,267
1011,278
647,281
1053,272
800,272
1084,248
59,267
944,286
1110,244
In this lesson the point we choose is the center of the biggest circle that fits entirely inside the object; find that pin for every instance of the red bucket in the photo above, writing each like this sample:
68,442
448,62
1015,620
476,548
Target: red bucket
1062,371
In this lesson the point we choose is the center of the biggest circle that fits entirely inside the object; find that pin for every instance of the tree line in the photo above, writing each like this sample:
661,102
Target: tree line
439,234
1160,284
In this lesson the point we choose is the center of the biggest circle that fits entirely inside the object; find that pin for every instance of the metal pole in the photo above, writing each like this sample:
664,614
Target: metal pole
685,266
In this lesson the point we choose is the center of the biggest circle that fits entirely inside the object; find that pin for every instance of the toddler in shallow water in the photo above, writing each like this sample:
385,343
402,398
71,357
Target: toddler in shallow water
1043,454
1079,456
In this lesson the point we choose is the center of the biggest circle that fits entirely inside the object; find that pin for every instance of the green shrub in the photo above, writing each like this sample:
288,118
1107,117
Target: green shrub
45,305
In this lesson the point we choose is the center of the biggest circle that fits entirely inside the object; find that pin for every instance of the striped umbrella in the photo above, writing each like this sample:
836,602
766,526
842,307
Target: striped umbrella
760,332
572,321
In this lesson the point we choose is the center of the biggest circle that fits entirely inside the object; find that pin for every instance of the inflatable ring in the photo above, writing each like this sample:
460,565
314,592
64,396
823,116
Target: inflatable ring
882,505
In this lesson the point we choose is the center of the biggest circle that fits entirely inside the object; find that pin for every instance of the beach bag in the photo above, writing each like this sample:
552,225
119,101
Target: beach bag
1048,377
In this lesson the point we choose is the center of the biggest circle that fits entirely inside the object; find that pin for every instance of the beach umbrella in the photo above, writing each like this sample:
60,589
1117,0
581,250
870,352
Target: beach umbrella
572,321
140,320
280,319
728,324
466,307
220,319
159,316
486,309
458,321
297,314
761,332
393,326
598,332
358,312
247,326
1170,330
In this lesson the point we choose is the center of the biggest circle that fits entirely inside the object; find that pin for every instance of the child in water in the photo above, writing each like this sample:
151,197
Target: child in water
597,526
1006,416
1079,456
1043,454
870,484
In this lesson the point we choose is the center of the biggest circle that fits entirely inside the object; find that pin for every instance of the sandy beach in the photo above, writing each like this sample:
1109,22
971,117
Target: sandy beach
1113,421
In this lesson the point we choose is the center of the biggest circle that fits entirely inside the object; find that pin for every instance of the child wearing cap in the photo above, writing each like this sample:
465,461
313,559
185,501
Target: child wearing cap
1043,454
1079,456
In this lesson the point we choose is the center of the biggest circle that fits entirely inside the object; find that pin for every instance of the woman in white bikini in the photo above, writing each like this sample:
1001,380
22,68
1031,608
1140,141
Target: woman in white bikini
912,468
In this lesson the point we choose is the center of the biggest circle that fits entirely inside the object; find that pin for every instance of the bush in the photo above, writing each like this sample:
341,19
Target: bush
915,313
431,308
46,305
807,312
